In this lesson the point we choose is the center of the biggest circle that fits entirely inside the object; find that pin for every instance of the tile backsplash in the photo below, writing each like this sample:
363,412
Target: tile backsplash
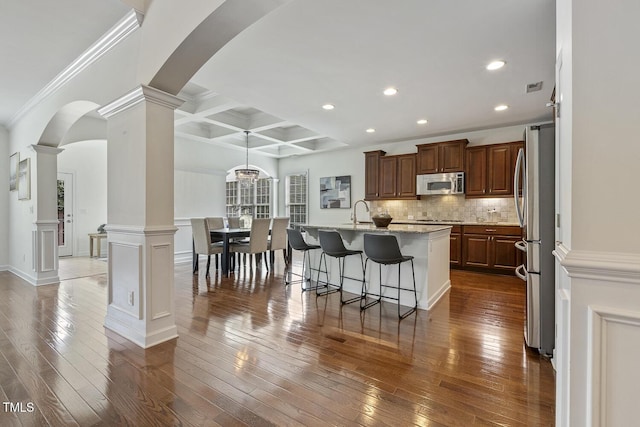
450,207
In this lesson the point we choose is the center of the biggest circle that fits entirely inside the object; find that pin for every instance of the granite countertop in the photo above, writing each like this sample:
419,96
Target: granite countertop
418,227
445,222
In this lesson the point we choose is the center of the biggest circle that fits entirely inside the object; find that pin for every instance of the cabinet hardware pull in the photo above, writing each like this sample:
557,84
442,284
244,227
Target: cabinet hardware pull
489,229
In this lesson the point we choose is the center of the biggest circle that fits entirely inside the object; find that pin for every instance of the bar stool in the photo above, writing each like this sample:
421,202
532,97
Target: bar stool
384,249
296,241
332,245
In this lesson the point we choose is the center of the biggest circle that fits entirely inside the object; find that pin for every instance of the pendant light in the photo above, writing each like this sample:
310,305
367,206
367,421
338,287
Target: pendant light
247,176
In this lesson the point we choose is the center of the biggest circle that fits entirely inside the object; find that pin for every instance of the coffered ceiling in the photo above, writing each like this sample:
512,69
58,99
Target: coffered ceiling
273,78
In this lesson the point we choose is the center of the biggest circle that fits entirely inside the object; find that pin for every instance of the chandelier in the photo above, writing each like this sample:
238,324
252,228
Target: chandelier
247,176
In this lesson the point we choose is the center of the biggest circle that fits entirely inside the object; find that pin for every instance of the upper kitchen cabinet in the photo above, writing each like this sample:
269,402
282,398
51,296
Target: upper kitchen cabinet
406,184
490,168
390,177
441,157
372,172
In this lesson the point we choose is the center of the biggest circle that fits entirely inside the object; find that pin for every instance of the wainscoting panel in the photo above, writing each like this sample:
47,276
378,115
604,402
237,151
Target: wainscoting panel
613,388
48,252
161,266
127,258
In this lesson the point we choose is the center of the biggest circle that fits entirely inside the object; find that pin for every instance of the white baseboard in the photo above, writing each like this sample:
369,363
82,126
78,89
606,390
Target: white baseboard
438,295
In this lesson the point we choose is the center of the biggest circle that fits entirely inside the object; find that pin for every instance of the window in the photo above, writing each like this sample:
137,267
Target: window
263,198
232,199
296,189
254,199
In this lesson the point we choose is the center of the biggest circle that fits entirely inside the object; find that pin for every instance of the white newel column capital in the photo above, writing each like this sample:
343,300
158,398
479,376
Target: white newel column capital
138,95
46,149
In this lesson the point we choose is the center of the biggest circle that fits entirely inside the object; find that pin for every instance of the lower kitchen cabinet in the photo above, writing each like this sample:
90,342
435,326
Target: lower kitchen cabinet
455,249
491,248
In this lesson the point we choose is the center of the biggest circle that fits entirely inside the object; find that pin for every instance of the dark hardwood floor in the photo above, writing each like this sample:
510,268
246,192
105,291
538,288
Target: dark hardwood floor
252,352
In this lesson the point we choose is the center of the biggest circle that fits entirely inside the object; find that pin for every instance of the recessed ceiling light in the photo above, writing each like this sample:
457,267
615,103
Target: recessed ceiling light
390,91
371,130
501,107
328,106
495,65
422,122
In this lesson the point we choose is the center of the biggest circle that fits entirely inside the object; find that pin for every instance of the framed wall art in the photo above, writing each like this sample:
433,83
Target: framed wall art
335,192
24,179
13,171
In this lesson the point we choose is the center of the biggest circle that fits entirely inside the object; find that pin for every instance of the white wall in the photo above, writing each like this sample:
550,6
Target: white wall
605,134
4,196
97,83
87,162
351,162
598,317
199,185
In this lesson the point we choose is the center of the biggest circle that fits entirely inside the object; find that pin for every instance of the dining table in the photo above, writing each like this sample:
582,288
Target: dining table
226,235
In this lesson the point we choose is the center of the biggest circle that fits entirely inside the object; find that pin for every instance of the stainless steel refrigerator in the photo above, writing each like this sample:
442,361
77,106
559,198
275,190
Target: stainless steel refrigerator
535,207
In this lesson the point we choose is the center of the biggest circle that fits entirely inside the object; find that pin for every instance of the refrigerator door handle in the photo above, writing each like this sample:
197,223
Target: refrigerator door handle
521,272
520,167
521,245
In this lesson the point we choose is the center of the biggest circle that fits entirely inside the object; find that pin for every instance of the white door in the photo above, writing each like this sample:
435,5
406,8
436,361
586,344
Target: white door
65,214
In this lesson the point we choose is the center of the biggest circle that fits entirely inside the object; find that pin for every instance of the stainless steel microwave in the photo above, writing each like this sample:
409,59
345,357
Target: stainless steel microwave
440,183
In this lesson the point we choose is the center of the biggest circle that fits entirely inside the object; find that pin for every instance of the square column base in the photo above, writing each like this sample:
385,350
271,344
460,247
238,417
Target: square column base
141,303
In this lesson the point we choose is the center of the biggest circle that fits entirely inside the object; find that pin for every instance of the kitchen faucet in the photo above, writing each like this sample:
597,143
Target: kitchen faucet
354,215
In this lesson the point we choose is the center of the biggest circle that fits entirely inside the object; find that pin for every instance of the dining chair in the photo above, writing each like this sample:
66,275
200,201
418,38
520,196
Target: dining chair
202,242
278,238
234,221
258,242
215,223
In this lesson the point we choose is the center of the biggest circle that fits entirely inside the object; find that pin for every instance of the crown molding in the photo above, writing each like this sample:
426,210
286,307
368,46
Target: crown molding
602,266
136,96
119,32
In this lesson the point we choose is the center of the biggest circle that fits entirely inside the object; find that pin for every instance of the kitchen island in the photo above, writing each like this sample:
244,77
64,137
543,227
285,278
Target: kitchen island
428,244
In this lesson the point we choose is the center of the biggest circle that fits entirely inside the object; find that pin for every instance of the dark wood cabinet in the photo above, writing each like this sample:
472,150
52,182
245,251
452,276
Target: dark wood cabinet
476,174
476,250
491,248
455,249
371,174
406,175
428,158
390,177
499,170
441,157
490,168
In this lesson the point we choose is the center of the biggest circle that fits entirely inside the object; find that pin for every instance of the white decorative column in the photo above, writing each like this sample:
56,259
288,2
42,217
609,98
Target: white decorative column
140,230
45,228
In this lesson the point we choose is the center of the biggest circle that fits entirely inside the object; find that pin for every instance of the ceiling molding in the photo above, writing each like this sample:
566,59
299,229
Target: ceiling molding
119,32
